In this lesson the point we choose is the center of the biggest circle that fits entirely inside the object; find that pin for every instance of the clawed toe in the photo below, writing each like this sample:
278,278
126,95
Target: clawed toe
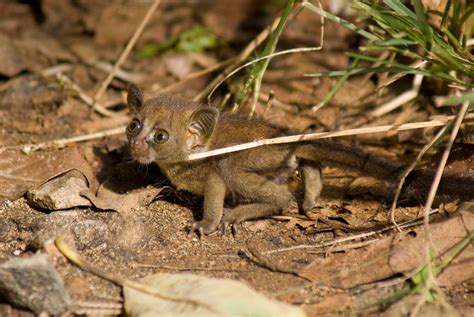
233,227
201,229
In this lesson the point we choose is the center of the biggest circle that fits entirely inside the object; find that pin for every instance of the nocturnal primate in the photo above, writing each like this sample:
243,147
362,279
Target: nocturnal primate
166,129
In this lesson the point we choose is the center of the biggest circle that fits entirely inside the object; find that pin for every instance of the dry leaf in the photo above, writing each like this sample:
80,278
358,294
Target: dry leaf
20,172
107,199
226,297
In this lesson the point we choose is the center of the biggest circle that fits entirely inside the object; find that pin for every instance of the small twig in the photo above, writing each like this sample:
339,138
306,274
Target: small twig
56,69
444,158
125,52
341,248
119,73
431,280
319,135
236,70
390,80
73,257
278,104
408,170
177,268
401,99
263,261
406,224
271,97
27,148
84,97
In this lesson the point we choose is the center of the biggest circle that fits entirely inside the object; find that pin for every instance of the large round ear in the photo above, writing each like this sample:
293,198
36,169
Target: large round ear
201,126
134,98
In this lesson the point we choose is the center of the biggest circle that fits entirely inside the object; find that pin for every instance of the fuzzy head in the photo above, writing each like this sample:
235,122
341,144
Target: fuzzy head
166,128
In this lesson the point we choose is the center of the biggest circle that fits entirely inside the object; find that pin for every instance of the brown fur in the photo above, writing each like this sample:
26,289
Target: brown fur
259,176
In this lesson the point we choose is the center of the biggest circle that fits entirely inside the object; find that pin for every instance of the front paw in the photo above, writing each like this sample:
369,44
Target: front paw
202,228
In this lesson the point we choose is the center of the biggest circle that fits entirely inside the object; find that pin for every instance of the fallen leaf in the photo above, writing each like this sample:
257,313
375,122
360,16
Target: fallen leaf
220,297
107,199
20,172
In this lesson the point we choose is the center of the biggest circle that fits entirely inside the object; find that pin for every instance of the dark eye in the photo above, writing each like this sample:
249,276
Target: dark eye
161,136
134,127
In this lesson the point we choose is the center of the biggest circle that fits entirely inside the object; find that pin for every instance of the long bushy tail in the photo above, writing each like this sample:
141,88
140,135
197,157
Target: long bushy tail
416,186
350,156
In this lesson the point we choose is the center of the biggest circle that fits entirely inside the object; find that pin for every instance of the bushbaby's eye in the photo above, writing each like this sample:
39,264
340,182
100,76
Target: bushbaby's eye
161,136
134,127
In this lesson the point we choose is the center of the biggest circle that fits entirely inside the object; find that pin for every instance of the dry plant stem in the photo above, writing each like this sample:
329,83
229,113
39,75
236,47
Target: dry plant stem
407,224
319,135
27,148
125,52
288,139
444,158
56,69
176,268
260,259
240,58
257,72
430,247
120,73
342,248
290,51
386,82
278,104
84,97
73,257
269,104
408,170
397,76
401,99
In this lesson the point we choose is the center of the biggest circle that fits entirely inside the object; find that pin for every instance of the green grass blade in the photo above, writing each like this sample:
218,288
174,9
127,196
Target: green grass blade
400,9
337,86
342,22
456,100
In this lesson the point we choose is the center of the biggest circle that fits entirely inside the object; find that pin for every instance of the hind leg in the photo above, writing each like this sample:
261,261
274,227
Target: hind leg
313,184
267,197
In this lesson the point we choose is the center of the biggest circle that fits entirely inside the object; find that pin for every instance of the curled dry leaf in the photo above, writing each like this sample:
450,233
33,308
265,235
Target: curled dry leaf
20,173
107,199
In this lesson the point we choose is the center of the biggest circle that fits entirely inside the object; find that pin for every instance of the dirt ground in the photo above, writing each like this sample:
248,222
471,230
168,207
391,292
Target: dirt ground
55,52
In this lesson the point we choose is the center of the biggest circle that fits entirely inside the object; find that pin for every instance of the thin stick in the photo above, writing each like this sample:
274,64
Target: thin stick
319,135
85,97
408,171
27,148
439,121
125,52
265,262
444,159
405,224
400,100
431,280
